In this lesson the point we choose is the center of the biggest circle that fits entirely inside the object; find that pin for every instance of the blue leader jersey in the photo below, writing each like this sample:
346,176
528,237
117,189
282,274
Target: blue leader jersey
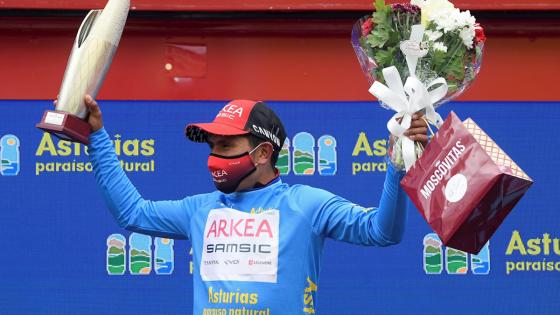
257,251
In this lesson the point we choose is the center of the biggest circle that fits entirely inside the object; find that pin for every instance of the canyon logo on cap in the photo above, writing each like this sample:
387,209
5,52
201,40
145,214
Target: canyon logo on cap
241,117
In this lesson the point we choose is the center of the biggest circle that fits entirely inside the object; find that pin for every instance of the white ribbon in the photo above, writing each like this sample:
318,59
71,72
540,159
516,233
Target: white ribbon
416,35
409,99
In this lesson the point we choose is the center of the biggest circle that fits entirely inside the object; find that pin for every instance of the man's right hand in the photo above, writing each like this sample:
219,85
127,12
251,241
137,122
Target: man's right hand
94,118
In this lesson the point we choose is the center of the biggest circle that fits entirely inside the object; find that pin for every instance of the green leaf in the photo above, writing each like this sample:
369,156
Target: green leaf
384,57
380,5
431,26
381,14
456,68
378,37
438,58
382,30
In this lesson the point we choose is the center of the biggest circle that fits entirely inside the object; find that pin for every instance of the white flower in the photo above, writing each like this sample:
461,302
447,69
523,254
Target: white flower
465,19
467,35
446,21
433,35
434,9
440,46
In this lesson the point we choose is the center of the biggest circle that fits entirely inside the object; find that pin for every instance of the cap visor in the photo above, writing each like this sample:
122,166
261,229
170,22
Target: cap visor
216,129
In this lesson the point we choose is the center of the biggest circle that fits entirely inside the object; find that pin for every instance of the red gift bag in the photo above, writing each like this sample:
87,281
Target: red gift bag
464,184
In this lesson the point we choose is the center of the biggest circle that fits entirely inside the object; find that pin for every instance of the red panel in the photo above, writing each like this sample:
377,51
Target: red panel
186,61
255,59
263,5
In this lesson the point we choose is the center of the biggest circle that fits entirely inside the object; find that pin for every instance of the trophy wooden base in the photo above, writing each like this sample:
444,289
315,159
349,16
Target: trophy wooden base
65,126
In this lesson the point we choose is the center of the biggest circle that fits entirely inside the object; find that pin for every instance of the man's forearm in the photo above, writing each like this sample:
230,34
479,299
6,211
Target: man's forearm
391,216
119,193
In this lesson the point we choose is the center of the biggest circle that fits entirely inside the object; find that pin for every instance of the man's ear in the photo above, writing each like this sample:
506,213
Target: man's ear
264,152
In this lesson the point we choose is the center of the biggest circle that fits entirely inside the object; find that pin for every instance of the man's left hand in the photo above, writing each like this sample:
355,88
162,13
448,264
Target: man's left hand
418,129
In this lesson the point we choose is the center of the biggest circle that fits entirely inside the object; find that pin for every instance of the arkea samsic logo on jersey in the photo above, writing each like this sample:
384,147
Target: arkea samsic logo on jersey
234,239
301,155
456,262
9,155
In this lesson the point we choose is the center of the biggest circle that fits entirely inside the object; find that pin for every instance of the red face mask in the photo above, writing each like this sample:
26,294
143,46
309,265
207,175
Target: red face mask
228,171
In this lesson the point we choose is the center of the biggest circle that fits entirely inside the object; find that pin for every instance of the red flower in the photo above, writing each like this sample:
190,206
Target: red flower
367,27
479,33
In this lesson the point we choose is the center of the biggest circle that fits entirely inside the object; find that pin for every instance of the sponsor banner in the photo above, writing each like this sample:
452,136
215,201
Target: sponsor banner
55,224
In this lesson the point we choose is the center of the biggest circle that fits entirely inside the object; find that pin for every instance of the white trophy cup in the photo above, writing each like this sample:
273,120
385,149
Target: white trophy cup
89,61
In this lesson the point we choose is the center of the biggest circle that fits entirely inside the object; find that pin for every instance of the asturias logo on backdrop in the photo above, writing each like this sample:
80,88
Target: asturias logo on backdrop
535,254
139,255
61,156
456,262
9,155
369,155
302,159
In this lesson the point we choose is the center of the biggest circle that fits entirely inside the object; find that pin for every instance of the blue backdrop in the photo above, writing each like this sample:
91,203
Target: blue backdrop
54,225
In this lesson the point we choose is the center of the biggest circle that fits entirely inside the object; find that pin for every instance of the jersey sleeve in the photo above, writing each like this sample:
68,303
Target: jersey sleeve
340,219
169,219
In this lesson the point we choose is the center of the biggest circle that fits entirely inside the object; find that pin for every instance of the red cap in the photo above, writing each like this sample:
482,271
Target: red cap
241,117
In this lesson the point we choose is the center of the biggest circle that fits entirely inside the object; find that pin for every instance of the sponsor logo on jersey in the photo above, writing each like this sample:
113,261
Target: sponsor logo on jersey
308,296
244,244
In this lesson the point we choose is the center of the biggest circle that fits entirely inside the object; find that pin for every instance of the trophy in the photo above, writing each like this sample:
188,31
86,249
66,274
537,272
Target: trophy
89,61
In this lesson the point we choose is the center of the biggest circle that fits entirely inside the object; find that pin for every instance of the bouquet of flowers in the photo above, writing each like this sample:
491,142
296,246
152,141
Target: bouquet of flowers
433,47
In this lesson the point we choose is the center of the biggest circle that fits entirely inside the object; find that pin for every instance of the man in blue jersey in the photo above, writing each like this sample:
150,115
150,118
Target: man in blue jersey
250,262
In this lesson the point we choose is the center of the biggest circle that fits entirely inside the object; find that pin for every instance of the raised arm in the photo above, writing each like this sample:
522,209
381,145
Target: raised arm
342,220
169,219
